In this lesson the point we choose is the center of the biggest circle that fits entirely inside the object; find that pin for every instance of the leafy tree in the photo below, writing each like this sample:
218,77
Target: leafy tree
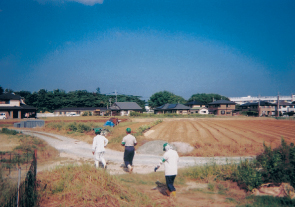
8,90
45,100
98,90
1,90
164,97
207,98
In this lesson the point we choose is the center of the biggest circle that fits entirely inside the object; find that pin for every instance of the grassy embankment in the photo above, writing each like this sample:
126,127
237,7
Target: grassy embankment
227,185
84,131
13,142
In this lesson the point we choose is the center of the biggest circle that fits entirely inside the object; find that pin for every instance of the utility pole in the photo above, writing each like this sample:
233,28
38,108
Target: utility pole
278,106
116,95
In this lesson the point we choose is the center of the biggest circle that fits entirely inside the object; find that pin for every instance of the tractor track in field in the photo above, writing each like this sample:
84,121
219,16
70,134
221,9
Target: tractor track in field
236,133
255,132
208,131
274,136
220,131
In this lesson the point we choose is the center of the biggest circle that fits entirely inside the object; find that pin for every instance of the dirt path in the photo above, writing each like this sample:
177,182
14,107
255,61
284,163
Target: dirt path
143,163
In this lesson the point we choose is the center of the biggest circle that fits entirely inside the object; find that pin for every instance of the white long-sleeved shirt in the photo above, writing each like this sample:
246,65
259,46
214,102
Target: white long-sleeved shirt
99,142
170,160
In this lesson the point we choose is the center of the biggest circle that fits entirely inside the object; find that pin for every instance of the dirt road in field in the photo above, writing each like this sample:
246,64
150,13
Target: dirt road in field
143,163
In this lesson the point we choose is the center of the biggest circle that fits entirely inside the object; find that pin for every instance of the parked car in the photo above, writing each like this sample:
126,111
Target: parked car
2,116
73,114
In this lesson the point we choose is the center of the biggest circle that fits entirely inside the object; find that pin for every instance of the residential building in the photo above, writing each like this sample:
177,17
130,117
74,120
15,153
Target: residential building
271,99
172,108
285,107
222,107
124,108
261,108
14,107
197,107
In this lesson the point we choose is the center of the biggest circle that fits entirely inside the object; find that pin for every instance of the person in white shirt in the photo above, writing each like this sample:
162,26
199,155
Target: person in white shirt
129,141
98,148
170,160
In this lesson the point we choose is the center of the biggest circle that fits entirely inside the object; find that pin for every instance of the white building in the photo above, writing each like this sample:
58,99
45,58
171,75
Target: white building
271,99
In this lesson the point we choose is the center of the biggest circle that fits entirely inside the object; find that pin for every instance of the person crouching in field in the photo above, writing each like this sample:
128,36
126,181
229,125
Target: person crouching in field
99,142
170,160
129,141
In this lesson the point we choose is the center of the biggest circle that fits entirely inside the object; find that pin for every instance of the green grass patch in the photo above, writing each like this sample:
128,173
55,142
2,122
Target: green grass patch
268,201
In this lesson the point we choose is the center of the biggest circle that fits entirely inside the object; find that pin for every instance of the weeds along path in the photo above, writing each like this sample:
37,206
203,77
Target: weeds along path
143,163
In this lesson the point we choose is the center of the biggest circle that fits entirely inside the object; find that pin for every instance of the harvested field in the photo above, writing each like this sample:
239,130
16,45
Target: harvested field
225,137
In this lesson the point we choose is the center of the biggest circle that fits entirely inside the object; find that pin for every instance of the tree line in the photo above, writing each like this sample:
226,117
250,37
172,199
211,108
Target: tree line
49,101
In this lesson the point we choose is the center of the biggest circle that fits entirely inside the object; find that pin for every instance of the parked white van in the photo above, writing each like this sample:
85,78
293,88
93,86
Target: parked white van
2,116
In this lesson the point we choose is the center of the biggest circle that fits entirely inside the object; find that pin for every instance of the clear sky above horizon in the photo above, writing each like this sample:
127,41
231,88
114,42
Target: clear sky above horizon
229,47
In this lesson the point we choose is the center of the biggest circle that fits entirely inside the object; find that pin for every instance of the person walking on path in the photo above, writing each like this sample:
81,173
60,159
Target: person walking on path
129,141
170,160
99,142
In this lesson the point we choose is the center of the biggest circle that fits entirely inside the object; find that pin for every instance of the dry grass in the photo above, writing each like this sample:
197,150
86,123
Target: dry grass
86,186
115,136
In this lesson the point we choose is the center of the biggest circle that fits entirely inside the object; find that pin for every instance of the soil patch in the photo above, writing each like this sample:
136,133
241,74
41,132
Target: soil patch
224,137
198,194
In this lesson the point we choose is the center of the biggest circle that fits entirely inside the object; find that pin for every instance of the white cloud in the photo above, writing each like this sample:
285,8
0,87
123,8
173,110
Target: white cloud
85,2
88,2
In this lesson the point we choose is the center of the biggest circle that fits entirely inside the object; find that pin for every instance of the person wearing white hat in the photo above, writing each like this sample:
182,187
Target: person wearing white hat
170,160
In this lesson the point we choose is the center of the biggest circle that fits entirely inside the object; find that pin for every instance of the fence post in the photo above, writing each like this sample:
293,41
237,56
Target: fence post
18,184
35,164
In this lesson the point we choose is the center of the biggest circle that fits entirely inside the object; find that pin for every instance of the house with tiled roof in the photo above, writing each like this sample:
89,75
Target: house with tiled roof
260,108
197,107
172,108
124,108
222,107
14,107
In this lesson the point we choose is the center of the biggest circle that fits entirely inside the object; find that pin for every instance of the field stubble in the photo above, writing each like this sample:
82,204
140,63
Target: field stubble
225,137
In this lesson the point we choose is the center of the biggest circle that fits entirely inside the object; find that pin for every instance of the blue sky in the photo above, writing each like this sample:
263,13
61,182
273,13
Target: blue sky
229,47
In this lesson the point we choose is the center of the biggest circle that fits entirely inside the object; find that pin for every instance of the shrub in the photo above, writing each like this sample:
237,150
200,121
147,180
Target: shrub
56,125
247,176
278,165
272,166
85,113
83,128
72,126
9,131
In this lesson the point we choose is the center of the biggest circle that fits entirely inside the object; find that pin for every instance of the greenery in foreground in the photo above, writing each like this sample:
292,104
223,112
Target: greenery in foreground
272,166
